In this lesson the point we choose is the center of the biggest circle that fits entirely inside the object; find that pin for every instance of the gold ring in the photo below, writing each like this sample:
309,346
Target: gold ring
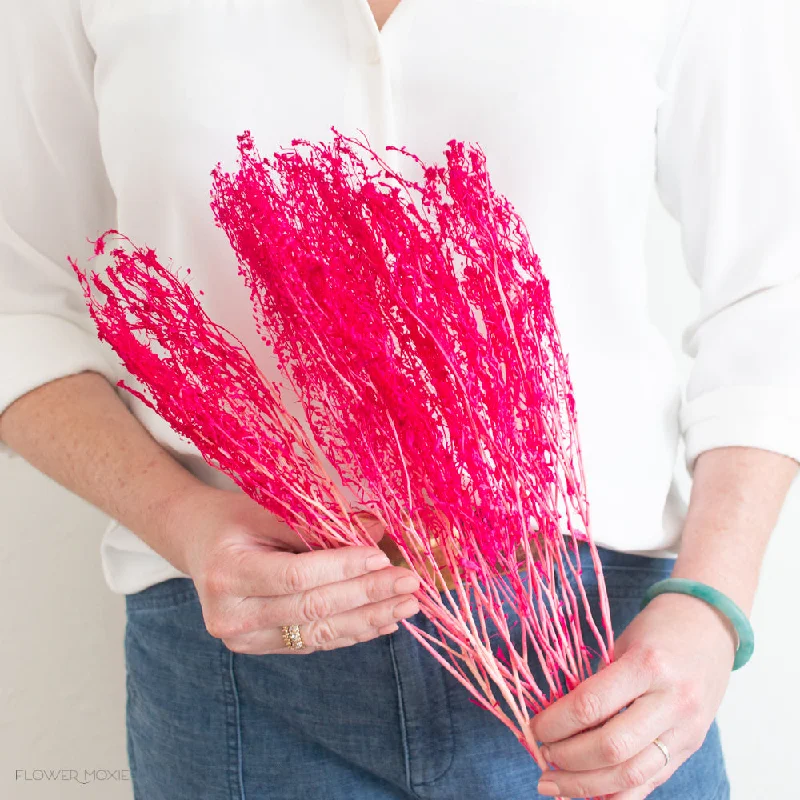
663,748
291,637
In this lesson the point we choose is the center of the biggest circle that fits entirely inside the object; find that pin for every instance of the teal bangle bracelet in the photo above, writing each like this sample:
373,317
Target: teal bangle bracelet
715,598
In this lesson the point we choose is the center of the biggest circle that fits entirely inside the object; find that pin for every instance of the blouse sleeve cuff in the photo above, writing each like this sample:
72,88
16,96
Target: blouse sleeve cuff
763,417
38,348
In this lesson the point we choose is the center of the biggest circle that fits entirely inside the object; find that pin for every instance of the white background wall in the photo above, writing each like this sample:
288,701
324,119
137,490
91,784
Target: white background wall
62,678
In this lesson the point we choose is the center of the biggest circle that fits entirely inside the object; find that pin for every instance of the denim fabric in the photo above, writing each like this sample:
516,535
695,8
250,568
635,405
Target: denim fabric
375,721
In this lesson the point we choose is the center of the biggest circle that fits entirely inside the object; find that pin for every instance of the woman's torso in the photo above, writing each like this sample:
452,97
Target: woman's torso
561,94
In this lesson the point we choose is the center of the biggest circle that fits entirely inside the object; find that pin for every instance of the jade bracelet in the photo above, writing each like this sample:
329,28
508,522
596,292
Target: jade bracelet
716,599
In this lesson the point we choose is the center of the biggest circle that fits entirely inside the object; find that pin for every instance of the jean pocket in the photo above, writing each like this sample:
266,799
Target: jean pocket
161,596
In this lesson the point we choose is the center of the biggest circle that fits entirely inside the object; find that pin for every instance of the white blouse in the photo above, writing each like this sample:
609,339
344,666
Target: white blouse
114,112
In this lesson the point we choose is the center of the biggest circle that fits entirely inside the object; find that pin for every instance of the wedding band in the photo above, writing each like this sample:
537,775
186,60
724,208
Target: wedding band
663,748
291,637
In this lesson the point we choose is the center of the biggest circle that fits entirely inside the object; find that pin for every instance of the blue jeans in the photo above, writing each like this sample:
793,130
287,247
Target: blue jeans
375,721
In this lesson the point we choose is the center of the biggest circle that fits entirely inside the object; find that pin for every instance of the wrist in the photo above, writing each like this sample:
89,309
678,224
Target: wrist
707,615
738,581
169,530
711,600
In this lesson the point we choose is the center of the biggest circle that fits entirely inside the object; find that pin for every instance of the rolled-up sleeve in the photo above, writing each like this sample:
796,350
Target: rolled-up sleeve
728,170
54,193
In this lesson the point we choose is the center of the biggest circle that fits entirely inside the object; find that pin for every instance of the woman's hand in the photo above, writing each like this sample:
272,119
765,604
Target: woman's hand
672,667
253,575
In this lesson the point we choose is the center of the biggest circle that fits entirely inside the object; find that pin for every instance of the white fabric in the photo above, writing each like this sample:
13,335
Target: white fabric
115,112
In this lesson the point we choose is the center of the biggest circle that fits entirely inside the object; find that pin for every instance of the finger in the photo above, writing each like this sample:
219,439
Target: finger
260,645
326,601
594,701
361,622
270,573
339,631
641,792
618,740
361,639
337,644
632,775
373,527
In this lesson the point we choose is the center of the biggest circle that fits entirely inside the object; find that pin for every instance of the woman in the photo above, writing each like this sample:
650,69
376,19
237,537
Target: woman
117,113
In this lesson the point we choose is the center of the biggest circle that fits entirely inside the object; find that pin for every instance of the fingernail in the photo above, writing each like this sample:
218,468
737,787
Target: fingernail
378,561
546,754
406,609
406,585
547,788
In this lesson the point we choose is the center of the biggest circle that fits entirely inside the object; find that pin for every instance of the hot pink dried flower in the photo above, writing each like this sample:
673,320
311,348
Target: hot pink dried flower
413,320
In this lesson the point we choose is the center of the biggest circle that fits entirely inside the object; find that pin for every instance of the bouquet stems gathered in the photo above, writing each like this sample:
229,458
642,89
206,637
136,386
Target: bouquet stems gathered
412,319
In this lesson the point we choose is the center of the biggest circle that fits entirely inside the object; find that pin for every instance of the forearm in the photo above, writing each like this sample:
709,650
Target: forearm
736,498
77,431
